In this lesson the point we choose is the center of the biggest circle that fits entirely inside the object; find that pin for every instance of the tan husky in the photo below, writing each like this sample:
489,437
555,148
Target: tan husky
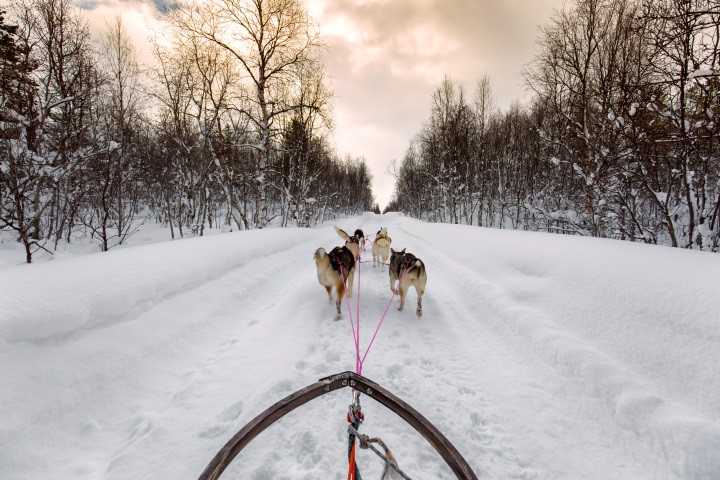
415,275
337,268
381,248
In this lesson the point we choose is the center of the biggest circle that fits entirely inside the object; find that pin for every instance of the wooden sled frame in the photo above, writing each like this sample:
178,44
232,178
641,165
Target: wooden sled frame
326,385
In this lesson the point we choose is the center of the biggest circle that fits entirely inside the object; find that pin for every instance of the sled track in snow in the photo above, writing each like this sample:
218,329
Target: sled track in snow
150,380
688,442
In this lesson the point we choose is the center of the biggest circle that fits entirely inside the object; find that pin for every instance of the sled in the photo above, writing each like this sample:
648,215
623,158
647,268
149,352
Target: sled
370,389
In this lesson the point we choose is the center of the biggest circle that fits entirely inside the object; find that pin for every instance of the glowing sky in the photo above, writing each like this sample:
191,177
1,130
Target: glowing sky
385,58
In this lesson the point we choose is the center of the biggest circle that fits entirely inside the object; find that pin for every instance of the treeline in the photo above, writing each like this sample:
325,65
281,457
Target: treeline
621,139
223,131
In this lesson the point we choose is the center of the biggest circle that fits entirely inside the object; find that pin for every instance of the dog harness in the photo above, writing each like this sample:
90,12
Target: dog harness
407,261
336,261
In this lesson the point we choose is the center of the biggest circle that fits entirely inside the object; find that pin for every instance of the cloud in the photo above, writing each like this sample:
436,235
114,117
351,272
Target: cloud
386,57
161,6
140,18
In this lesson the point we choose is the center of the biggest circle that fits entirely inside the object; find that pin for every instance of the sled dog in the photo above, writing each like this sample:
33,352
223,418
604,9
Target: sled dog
415,276
351,243
360,237
381,248
333,269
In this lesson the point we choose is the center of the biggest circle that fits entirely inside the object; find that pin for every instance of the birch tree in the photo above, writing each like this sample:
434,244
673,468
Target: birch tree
271,42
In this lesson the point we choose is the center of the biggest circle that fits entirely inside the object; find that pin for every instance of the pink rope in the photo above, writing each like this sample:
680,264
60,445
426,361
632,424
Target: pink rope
355,330
358,365
368,261
347,301
382,320
357,319
356,326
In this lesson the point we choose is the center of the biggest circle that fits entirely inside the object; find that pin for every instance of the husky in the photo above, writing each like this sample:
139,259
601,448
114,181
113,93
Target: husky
360,237
415,275
381,248
352,243
337,268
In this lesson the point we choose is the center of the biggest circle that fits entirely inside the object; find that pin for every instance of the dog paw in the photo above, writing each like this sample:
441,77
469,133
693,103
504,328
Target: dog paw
418,313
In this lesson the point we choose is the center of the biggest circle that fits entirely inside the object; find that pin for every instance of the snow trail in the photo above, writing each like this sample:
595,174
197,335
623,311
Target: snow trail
201,336
688,440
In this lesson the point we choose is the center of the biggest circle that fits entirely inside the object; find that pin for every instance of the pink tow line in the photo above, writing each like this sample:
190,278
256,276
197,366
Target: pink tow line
356,326
397,287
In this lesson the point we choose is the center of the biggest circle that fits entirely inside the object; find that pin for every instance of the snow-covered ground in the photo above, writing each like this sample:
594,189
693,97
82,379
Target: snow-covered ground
12,253
539,356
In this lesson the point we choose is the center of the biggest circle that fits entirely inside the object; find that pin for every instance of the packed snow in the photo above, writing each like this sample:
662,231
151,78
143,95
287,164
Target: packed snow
539,356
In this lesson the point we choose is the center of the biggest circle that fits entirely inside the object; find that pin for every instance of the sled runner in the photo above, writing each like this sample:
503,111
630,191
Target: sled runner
361,385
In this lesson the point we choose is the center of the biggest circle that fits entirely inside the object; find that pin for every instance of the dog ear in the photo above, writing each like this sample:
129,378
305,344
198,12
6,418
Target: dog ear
403,250
392,251
342,233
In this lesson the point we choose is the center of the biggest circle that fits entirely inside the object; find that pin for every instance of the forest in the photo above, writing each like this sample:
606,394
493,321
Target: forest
228,128
621,138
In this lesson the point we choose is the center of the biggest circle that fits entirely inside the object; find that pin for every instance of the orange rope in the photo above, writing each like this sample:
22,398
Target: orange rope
351,469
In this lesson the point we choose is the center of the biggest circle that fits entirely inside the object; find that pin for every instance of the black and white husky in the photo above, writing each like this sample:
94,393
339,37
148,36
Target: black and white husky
336,269
415,275
359,237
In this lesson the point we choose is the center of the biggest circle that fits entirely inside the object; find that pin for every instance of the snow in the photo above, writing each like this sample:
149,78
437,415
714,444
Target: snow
60,297
701,72
538,356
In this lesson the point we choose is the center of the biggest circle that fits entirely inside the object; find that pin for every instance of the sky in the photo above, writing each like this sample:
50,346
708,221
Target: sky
386,57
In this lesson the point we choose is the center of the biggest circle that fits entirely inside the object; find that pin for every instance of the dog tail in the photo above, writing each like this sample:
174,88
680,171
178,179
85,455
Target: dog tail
320,253
419,265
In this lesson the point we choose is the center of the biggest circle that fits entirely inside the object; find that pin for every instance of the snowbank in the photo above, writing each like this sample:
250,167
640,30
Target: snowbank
538,356
56,298
637,324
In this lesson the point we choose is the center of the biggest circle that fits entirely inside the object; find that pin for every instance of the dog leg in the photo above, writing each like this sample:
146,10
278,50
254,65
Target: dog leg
402,297
329,291
338,303
420,292
351,280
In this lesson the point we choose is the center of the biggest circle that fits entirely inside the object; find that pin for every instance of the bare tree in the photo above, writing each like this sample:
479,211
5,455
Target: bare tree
272,42
484,108
109,193
683,181
46,155
123,71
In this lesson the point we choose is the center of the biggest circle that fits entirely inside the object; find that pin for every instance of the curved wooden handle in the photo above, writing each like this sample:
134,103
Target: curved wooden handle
326,385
